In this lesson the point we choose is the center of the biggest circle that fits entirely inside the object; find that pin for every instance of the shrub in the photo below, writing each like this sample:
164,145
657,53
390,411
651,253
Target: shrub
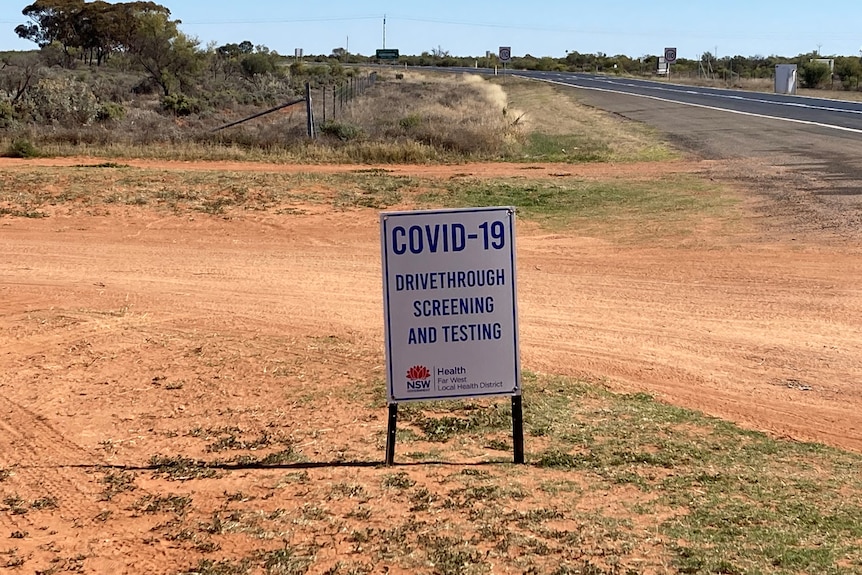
410,121
7,114
343,131
181,105
110,111
813,74
21,148
62,100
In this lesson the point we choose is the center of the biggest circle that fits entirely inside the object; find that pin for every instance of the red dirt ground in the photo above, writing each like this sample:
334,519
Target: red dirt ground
123,328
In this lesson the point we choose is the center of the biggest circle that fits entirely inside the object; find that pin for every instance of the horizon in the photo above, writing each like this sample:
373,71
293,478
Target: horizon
550,29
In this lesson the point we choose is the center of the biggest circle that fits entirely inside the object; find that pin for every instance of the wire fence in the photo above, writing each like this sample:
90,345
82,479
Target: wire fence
323,103
328,102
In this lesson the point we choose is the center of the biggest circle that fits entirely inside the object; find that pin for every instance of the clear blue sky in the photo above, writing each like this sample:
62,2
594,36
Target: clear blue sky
537,27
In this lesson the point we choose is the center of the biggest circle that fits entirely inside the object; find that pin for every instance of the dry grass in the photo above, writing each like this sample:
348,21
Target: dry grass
407,117
561,128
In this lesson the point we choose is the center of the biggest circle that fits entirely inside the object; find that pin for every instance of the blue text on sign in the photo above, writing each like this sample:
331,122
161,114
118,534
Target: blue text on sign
446,238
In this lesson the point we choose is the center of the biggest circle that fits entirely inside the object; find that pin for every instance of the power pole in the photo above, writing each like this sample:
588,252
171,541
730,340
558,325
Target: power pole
384,31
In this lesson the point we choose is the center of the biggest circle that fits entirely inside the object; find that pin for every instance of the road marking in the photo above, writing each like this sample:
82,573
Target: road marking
732,97
715,108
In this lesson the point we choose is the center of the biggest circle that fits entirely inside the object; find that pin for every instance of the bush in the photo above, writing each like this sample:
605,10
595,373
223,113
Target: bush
344,132
181,105
813,74
411,121
62,100
110,111
21,148
7,114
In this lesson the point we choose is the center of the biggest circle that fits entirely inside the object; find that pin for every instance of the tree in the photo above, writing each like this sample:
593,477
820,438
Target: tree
52,21
813,74
849,69
20,71
90,29
170,58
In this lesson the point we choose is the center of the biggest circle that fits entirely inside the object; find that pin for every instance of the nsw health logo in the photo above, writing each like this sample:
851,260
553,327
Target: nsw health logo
418,379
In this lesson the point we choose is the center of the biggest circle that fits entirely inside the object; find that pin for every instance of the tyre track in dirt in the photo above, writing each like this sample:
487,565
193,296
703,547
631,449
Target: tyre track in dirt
744,337
34,452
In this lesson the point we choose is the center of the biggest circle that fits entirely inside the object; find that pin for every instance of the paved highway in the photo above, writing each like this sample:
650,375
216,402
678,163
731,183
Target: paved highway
833,114
804,154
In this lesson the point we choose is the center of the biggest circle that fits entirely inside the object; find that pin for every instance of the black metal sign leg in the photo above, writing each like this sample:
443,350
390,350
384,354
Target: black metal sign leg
390,434
518,428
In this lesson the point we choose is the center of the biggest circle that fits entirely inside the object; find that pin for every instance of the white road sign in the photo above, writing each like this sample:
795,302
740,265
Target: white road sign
670,55
449,297
505,54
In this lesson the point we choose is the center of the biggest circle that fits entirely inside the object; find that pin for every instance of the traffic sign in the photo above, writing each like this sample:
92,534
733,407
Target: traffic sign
670,55
449,302
387,54
505,53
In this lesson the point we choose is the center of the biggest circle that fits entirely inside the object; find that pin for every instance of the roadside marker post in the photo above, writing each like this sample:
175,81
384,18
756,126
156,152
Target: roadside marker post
450,310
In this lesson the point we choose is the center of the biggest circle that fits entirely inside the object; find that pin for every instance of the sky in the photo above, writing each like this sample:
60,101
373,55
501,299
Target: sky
536,27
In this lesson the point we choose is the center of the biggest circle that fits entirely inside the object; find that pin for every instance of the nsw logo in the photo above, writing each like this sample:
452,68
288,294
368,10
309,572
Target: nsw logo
418,378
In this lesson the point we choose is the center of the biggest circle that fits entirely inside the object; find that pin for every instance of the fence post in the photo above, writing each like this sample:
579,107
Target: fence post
309,110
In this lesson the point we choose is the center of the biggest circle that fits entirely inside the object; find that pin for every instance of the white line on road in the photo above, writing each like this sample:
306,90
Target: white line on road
734,97
715,108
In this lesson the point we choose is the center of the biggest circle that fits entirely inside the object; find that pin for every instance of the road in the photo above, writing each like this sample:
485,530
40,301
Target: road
798,152
833,114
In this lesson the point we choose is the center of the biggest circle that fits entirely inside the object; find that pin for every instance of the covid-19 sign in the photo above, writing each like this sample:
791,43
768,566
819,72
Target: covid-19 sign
450,312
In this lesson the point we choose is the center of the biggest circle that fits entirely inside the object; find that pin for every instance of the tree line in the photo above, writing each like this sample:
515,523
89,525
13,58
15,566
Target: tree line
140,39
93,31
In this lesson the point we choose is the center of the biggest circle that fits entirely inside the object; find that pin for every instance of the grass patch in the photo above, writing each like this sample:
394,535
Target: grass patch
721,499
179,468
22,213
116,482
674,197
178,504
103,165
557,127
667,206
566,148
212,192
743,502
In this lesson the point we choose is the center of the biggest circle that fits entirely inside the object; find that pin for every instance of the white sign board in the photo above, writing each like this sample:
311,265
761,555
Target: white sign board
449,298
505,54
670,55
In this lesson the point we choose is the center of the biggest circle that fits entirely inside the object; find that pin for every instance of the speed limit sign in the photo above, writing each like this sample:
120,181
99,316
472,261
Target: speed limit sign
505,53
670,55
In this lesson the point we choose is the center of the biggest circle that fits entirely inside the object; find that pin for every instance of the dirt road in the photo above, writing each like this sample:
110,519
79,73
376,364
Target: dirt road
761,329
128,332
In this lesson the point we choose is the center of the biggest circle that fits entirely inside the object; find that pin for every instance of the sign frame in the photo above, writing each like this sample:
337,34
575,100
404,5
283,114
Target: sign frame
477,252
457,242
505,54
670,55
387,54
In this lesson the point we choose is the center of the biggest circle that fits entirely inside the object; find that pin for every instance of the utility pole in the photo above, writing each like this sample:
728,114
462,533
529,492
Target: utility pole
384,31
